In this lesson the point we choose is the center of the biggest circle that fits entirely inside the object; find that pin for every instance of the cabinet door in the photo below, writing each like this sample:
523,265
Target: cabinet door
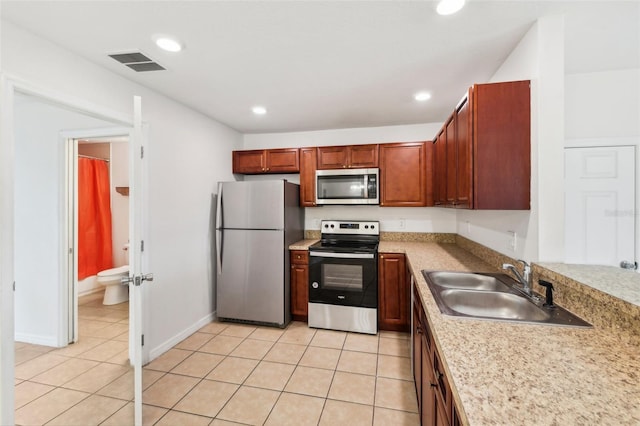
464,174
440,170
282,160
403,174
452,158
363,156
299,284
416,334
502,145
393,293
333,157
249,162
308,161
428,405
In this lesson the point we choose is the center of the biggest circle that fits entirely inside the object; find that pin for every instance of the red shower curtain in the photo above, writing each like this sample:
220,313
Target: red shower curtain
94,218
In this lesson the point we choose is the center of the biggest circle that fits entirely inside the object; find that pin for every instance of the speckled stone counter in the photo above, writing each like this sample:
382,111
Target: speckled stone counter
302,244
506,373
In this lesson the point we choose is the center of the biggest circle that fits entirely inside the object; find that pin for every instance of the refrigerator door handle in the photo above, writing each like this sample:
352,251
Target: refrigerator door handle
219,207
219,236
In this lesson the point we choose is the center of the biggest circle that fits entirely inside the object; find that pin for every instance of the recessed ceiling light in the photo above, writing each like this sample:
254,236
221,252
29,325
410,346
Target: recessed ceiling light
448,7
168,44
259,110
422,96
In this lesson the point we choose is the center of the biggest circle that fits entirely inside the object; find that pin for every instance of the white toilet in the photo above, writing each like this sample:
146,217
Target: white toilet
114,292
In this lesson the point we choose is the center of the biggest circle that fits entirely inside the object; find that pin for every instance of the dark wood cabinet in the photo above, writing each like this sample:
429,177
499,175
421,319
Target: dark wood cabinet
406,171
435,401
485,147
260,161
440,169
347,156
299,285
394,294
308,164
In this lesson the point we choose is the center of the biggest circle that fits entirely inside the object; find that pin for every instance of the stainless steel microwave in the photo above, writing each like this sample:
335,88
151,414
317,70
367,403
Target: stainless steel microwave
350,186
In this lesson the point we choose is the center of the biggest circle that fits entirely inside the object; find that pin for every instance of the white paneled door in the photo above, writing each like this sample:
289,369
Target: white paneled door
600,205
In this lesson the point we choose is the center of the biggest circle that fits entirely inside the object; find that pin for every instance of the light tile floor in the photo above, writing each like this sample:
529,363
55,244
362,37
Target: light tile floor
224,374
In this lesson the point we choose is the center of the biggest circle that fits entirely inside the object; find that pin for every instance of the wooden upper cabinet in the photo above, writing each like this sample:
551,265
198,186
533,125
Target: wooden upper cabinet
405,174
348,156
285,160
483,152
308,163
440,169
501,115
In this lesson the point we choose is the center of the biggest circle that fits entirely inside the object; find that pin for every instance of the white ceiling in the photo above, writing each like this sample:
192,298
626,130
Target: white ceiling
325,64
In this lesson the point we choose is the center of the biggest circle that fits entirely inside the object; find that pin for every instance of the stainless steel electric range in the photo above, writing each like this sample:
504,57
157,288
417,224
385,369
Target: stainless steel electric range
343,277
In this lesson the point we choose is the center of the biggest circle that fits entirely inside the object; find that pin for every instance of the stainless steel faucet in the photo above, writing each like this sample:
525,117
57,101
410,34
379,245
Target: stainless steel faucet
525,278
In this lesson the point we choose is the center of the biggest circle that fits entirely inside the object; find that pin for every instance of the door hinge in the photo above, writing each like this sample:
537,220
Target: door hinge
142,152
141,245
142,342
14,286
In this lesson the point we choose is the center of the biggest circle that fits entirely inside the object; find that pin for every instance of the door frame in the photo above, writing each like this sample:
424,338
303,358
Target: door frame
69,307
9,85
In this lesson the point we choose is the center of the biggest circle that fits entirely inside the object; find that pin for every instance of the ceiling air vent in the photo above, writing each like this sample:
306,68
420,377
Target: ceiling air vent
137,61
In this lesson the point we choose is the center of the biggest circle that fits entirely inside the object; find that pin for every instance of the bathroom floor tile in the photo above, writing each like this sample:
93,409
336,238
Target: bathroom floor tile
295,410
104,351
110,331
83,344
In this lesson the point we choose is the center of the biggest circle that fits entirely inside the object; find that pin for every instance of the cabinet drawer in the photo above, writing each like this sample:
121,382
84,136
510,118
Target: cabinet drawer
299,257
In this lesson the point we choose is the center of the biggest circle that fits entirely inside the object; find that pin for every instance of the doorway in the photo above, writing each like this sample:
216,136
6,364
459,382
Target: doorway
600,205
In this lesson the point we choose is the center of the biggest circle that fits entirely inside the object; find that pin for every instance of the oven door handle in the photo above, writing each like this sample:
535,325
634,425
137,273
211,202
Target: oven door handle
342,255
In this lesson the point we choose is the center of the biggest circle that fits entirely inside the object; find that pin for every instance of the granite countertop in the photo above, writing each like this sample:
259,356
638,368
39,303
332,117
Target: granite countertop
302,244
523,374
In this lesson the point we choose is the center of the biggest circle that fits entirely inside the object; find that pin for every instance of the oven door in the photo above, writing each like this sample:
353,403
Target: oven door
349,279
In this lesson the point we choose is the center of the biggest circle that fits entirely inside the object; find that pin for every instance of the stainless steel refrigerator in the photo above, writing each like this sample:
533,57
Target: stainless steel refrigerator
256,221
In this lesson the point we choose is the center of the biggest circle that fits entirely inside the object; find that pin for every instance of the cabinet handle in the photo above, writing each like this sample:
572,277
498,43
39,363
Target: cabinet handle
267,169
382,256
419,330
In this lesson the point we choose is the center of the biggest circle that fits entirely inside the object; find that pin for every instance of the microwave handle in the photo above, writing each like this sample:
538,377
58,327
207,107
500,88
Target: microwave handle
365,187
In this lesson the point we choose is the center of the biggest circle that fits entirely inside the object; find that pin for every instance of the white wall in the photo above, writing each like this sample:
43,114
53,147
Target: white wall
119,172
39,211
187,155
403,219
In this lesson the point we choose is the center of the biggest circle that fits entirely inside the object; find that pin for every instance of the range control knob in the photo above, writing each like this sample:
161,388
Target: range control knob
315,285
326,226
372,226
366,227
332,226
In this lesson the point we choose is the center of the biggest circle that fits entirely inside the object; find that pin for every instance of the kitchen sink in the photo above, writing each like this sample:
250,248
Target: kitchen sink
467,281
493,296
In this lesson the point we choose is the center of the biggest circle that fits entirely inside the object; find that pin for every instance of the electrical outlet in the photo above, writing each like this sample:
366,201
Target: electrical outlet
513,240
402,224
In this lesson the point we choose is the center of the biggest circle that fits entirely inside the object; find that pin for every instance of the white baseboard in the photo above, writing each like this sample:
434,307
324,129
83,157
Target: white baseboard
36,339
168,344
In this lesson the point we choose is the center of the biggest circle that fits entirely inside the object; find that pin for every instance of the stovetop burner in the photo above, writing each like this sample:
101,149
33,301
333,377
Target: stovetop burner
348,236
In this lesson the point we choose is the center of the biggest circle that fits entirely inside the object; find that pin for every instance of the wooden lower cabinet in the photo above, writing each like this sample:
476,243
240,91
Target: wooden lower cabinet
299,285
394,293
435,402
